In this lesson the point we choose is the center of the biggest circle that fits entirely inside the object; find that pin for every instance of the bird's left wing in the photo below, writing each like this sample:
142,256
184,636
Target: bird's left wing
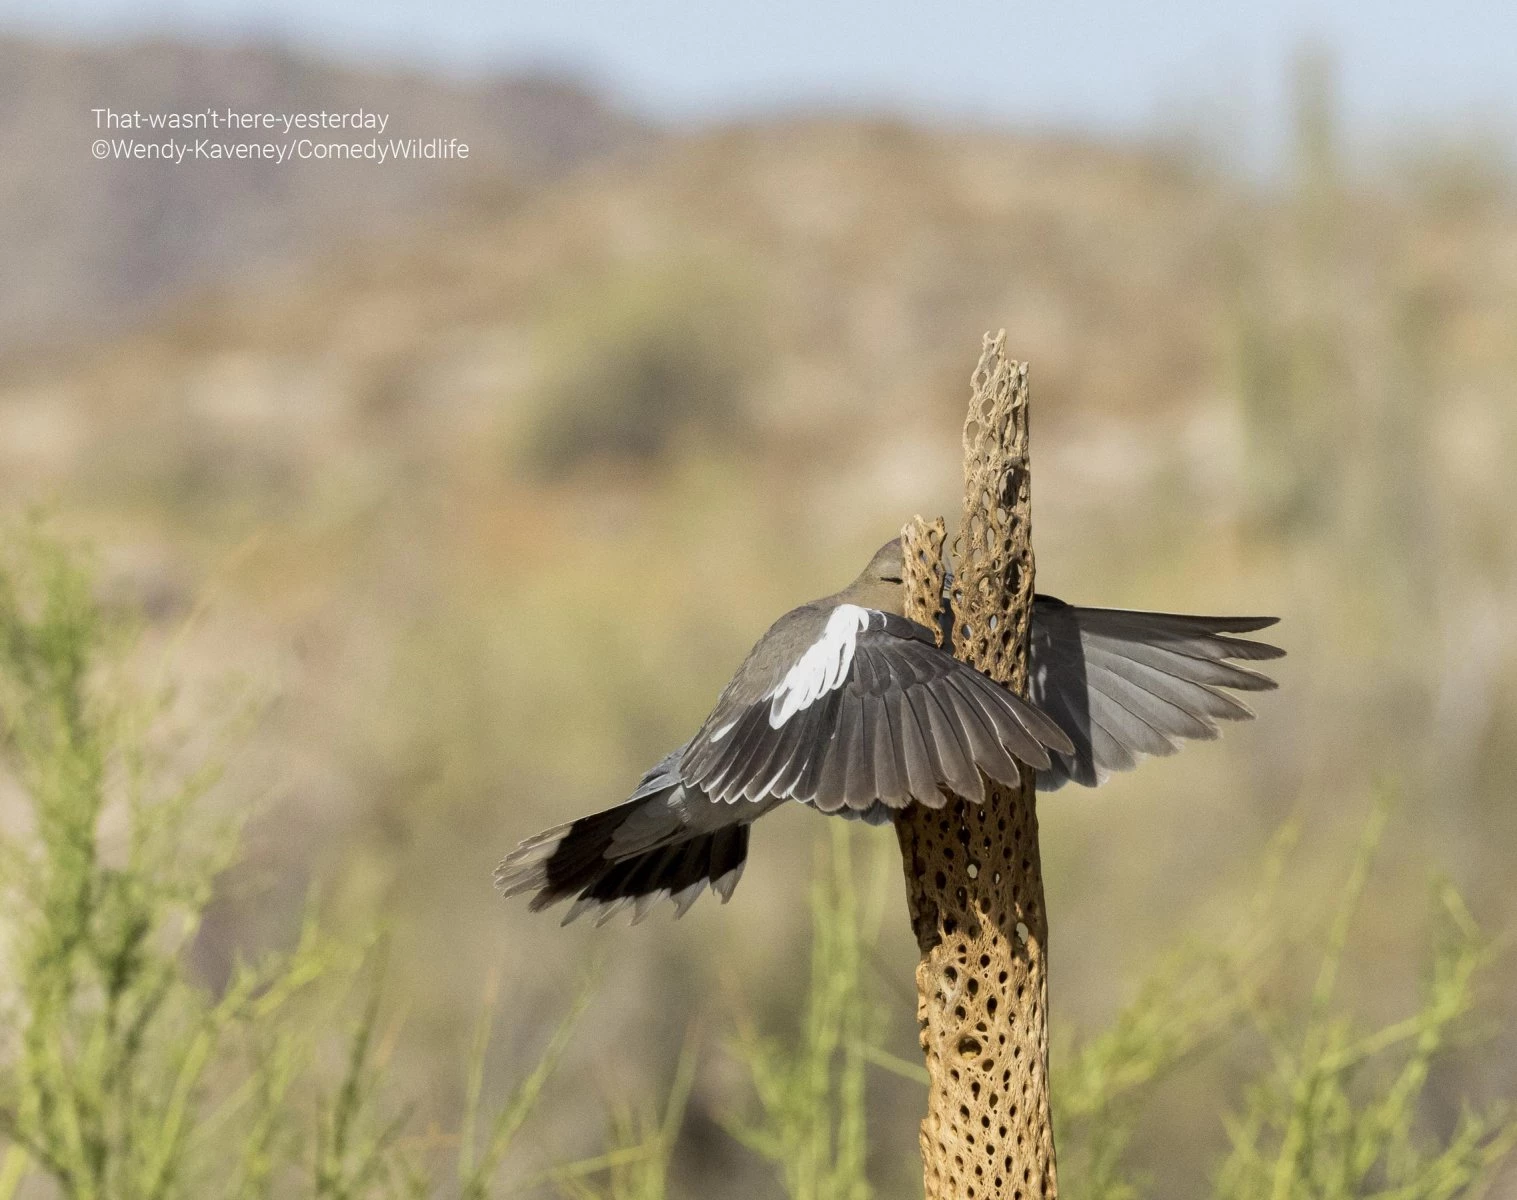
869,710
1126,684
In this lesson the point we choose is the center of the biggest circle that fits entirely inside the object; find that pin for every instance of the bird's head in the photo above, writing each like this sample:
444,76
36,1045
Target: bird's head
879,585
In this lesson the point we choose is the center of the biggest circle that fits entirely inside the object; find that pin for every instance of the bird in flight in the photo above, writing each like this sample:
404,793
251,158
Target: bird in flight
851,708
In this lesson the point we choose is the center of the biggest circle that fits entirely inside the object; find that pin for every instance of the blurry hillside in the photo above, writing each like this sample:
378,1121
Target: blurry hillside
487,509
86,245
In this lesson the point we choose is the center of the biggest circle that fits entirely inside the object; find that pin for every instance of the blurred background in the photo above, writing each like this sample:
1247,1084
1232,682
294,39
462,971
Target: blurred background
480,475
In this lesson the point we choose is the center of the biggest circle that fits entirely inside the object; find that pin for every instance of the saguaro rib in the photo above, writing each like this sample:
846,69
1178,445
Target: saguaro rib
974,883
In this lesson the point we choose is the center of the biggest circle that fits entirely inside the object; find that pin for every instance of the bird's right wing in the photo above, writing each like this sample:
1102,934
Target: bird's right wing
871,711
1125,684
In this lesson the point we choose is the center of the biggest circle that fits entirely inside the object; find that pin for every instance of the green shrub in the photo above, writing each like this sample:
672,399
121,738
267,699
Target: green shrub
812,1117
122,1075
640,361
1337,1114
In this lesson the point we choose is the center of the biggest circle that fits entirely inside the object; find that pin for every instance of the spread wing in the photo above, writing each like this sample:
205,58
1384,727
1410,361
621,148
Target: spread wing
843,708
1126,684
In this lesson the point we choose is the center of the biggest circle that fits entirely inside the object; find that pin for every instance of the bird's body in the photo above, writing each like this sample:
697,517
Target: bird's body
848,707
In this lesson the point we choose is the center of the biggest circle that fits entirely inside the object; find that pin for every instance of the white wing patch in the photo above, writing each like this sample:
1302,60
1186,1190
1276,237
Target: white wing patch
823,667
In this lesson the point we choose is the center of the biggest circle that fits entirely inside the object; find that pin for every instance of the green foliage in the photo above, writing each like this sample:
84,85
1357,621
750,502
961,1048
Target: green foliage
122,1075
1194,997
636,1167
1336,1113
641,360
1181,1010
812,1121
477,1171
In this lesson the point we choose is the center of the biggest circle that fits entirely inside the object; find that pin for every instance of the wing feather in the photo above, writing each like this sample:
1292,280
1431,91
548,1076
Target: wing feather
921,773
1125,684
1166,717
1203,702
955,760
832,786
862,788
990,755
888,785
1006,715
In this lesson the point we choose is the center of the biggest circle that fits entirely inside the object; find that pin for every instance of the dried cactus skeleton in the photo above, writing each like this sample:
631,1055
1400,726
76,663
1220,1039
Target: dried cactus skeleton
974,882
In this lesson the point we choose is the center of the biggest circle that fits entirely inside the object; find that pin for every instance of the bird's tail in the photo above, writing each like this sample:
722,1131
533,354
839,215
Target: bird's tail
605,863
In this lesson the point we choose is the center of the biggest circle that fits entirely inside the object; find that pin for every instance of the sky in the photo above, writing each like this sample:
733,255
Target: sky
1107,66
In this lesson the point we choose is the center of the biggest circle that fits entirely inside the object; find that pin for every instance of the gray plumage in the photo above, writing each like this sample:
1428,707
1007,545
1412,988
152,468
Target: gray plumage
848,707
1126,684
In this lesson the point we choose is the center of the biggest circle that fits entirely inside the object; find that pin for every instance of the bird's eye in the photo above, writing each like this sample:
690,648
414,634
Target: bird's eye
890,579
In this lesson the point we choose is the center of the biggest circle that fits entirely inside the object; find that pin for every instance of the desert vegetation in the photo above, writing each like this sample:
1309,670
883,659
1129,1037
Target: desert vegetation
357,571
124,1074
